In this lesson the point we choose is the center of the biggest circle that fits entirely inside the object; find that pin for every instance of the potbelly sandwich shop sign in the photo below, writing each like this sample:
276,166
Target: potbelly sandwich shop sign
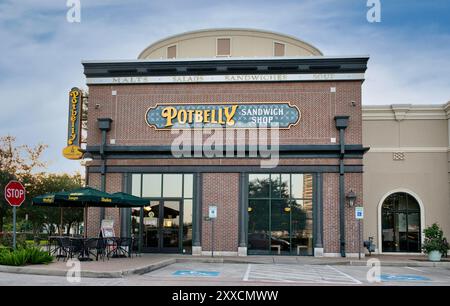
280,115
73,150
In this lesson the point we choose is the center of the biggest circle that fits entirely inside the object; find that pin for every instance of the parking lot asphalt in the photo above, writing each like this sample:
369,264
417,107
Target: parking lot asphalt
250,274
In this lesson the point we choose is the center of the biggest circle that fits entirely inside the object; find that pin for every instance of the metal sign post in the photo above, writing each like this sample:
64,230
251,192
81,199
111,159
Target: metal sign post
14,228
359,214
212,215
359,239
212,237
15,196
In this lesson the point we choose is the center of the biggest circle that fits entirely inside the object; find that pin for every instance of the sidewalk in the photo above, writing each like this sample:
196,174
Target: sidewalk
121,267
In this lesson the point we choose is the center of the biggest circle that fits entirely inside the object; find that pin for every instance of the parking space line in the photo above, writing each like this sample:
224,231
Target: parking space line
297,274
345,274
247,273
415,269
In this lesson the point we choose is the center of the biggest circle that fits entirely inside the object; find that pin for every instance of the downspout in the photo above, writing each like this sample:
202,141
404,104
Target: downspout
104,124
341,125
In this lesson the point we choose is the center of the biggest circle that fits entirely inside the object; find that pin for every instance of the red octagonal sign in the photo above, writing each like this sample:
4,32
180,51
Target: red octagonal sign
14,193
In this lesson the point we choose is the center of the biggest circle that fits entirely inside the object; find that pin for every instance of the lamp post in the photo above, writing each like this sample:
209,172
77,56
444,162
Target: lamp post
351,198
104,125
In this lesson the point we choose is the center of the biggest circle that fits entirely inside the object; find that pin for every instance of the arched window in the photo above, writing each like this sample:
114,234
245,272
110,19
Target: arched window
401,226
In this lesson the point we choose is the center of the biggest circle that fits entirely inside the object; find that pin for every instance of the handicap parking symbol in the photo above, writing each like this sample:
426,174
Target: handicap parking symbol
403,278
196,273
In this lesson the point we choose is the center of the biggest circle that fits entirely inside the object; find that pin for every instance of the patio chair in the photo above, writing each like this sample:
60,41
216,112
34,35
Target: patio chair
61,247
135,247
99,245
75,246
124,245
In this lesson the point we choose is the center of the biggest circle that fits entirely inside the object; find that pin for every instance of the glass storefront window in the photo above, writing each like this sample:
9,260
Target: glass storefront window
166,224
279,223
136,185
258,225
401,226
259,185
187,226
285,186
151,185
188,185
172,185
301,186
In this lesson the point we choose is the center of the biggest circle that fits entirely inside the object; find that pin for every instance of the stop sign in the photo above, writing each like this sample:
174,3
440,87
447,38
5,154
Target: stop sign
14,193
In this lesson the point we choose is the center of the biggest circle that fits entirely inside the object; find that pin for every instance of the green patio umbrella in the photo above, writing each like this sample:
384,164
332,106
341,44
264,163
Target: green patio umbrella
88,197
128,200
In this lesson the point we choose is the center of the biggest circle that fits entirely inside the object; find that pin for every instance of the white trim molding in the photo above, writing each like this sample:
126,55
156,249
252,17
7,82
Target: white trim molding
405,112
409,149
379,216
219,253
228,78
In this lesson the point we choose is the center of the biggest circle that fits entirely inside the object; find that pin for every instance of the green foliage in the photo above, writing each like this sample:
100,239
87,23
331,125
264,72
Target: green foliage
6,239
24,256
434,240
37,256
18,162
14,258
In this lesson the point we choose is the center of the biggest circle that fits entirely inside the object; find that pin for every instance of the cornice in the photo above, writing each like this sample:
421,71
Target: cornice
406,112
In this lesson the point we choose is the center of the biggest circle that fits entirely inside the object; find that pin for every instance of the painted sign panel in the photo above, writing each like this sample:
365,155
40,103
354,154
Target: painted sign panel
72,151
235,115
403,278
212,212
75,109
359,212
196,273
227,78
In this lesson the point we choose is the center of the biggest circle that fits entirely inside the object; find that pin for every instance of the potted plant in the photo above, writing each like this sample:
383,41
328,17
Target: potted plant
435,243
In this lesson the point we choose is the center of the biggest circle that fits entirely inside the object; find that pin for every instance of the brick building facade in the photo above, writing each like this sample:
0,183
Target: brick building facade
305,210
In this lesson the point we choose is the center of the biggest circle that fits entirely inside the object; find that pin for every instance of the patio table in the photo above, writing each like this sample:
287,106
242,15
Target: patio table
117,250
84,251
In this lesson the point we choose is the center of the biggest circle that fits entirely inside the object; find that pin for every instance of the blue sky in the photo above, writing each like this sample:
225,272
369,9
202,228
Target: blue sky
41,52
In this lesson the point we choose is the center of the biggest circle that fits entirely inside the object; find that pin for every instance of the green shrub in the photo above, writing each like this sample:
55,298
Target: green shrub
434,240
37,256
15,258
6,239
23,256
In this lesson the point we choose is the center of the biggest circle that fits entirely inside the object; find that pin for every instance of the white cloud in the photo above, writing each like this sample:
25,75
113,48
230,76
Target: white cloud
42,53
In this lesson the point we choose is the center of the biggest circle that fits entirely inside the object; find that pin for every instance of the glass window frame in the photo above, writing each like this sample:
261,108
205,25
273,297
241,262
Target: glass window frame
162,198
393,211
270,199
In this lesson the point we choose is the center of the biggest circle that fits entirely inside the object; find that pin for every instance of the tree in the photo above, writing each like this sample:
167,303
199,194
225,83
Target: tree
16,162
23,163
48,216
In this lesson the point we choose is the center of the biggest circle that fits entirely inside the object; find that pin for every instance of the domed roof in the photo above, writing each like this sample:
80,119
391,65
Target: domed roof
242,43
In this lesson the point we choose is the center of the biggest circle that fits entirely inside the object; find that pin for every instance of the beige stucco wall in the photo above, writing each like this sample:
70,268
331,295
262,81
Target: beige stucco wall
422,134
244,43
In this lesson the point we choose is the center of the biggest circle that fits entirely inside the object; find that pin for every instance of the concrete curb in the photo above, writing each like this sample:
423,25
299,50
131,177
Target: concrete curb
425,264
166,262
149,268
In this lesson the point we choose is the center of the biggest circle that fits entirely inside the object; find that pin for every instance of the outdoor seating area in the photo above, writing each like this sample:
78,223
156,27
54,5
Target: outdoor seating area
88,249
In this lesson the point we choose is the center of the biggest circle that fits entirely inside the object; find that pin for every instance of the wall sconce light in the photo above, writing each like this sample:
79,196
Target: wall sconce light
250,209
351,197
87,157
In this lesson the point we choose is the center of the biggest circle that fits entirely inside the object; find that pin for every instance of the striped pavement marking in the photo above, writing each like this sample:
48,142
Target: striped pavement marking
285,273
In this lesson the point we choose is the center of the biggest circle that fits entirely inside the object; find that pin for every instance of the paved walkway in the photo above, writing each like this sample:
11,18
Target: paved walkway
120,267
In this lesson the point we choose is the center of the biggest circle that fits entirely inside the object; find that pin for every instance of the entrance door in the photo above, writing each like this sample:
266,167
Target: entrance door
170,226
161,226
401,226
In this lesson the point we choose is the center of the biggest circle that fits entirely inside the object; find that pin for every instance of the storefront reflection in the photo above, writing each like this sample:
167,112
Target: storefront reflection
278,223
